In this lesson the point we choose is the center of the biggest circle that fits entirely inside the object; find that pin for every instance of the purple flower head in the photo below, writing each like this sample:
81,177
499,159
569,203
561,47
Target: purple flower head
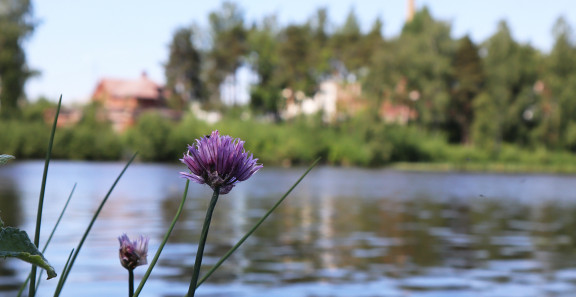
133,253
219,161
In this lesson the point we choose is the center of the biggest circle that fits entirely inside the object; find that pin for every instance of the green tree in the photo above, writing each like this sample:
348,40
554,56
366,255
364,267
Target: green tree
467,83
346,44
372,42
486,126
294,71
320,52
511,70
16,24
263,57
413,69
228,47
557,107
183,69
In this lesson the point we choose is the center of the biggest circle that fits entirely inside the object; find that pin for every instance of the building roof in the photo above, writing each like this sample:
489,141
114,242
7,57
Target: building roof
143,87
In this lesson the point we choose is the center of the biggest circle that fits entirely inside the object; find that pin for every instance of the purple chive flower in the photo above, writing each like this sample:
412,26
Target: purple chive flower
219,161
133,253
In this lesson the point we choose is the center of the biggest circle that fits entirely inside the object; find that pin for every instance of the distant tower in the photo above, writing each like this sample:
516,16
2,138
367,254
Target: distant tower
410,14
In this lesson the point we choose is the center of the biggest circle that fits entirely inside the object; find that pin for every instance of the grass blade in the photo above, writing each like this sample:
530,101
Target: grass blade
241,241
32,289
67,262
49,239
65,274
166,236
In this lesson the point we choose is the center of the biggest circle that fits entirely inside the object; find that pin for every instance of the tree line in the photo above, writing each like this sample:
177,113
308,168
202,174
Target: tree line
494,101
488,94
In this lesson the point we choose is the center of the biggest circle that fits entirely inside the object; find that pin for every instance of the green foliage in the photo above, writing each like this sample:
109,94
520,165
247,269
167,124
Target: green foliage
487,96
495,97
486,127
183,69
419,60
363,140
345,43
15,243
467,80
91,139
15,25
86,142
262,46
3,160
511,71
228,46
24,139
293,70
35,111
150,137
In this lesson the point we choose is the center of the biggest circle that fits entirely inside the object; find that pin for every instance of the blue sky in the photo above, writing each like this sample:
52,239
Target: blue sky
79,42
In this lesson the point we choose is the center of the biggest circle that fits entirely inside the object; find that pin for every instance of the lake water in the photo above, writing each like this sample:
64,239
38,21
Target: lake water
343,232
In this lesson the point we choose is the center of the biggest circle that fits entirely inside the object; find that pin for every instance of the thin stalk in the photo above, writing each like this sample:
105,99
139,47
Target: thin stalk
202,243
130,282
48,241
32,288
241,241
67,261
81,243
166,236
59,219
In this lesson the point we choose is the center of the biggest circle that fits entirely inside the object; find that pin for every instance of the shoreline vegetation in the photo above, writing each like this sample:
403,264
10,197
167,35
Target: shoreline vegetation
360,141
422,100
493,167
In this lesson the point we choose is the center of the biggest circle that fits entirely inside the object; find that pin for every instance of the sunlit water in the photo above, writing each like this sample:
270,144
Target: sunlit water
342,232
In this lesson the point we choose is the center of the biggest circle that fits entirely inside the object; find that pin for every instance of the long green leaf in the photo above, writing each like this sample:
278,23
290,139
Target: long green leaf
32,290
49,238
64,276
241,241
161,247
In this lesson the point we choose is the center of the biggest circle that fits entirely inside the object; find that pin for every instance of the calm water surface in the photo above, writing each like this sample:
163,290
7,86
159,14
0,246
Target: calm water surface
343,232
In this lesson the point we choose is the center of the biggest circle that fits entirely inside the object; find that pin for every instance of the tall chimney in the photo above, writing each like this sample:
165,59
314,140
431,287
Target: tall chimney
410,13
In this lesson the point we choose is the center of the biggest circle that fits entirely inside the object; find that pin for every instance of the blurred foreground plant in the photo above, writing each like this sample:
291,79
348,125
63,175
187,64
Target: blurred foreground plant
15,243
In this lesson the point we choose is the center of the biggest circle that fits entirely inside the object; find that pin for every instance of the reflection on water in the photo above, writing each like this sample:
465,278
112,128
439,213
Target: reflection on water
343,232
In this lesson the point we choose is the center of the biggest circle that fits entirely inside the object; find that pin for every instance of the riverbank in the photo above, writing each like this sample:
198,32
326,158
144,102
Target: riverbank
497,167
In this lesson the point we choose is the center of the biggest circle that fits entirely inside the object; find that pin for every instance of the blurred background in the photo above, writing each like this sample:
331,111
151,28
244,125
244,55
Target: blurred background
447,131
368,84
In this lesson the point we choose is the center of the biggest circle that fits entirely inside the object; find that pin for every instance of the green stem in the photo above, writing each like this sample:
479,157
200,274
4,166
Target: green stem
130,282
32,288
202,243
166,236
